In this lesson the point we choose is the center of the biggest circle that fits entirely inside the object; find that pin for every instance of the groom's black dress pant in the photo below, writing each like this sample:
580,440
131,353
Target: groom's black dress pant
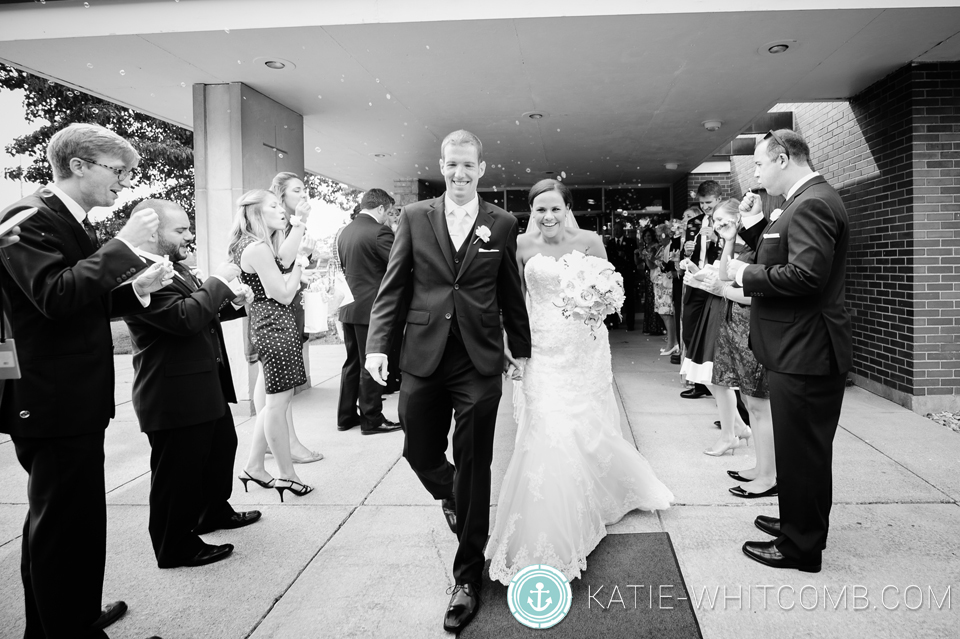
425,407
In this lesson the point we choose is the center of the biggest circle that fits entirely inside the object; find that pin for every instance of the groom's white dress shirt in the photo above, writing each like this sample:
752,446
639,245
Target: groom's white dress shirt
460,219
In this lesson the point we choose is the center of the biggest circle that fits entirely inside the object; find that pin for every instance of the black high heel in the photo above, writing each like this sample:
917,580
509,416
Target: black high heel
262,484
292,483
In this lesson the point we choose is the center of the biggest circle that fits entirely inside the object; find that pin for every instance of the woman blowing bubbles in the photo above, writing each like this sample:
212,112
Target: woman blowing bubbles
254,245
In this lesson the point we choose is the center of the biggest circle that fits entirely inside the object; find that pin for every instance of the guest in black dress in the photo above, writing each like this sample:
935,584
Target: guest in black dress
254,245
699,359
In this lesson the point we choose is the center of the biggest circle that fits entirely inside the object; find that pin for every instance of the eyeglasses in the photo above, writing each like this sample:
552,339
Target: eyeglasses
121,174
778,140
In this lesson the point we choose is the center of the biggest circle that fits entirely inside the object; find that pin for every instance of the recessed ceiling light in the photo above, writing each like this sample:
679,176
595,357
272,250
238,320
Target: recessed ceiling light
381,155
778,48
712,125
535,116
670,166
274,64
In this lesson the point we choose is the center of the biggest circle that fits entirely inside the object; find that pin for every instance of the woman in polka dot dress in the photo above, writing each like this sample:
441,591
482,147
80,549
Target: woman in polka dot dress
257,233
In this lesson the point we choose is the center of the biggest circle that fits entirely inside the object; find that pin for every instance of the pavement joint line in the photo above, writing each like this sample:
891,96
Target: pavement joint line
128,482
771,501
898,463
296,577
310,561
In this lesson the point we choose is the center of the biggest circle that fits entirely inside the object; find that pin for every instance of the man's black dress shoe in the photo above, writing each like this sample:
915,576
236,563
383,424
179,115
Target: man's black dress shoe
450,513
767,554
696,392
210,554
236,520
463,607
110,613
740,492
736,475
386,427
675,358
769,525
717,423
343,427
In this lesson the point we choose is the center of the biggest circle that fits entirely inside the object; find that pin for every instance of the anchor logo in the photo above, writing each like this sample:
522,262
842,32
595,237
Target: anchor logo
540,593
539,596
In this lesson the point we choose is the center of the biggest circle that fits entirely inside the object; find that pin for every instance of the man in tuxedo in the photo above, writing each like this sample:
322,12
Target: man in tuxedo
801,332
181,388
456,256
623,258
700,247
364,248
59,292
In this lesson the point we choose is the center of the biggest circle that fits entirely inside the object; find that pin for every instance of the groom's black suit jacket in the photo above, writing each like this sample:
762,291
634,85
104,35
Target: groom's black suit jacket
486,285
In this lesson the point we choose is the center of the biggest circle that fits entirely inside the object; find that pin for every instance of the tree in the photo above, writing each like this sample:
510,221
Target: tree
166,149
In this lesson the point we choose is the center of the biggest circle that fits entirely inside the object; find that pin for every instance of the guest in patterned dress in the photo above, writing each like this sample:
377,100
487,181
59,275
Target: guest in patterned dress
255,240
734,363
652,324
663,273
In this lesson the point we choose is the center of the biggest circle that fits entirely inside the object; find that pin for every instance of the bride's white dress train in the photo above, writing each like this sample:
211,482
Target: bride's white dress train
572,472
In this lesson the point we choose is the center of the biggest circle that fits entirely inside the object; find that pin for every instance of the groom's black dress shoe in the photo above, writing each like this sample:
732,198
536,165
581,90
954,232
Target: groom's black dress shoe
767,554
236,520
110,613
698,391
740,492
450,513
463,607
769,525
386,427
210,554
736,475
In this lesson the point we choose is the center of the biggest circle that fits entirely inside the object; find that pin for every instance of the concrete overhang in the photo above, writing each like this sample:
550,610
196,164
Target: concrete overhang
623,86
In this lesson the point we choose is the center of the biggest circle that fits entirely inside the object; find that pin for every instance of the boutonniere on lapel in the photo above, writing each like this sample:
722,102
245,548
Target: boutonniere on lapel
776,213
482,233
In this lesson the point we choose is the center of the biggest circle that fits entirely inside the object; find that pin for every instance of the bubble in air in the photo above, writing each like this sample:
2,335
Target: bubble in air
528,170
317,149
122,72
226,30
388,96
279,155
563,174
378,80
370,103
183,84
89,65
86,5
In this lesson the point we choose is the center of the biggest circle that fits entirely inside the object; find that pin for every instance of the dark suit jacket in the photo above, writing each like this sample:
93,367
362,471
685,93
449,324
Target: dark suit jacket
622,256
488,283
59,296
181,372
798,322
364,248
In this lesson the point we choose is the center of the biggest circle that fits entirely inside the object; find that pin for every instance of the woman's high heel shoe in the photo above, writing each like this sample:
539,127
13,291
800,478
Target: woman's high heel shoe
258,482
672,351
294,487
727,449
745,435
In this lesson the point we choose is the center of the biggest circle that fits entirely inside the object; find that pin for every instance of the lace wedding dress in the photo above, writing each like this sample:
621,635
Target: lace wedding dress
572,472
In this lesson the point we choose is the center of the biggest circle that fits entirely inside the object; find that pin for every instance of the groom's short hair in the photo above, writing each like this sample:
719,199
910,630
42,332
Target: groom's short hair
463,138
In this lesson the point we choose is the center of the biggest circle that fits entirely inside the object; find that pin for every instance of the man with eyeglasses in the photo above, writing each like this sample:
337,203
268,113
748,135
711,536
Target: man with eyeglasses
59,292
801,332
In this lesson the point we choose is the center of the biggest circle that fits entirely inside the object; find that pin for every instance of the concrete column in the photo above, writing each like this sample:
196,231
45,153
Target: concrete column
241,139
405,191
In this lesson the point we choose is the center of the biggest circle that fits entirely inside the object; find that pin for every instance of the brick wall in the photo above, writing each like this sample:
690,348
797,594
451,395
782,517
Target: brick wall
893,154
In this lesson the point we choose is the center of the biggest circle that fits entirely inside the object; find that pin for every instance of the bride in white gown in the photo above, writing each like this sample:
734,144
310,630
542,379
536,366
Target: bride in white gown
572,473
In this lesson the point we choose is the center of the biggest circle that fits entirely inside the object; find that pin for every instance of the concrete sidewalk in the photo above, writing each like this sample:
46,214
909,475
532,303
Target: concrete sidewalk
368,554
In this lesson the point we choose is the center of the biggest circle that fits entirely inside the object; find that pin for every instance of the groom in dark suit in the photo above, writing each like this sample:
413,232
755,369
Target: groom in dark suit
364,248
181,388
456,256
801,332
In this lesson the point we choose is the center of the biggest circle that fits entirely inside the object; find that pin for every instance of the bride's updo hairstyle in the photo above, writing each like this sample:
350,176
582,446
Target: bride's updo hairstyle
549,184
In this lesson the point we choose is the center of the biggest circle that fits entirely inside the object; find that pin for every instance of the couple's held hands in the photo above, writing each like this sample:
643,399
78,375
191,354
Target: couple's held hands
153,278
513,367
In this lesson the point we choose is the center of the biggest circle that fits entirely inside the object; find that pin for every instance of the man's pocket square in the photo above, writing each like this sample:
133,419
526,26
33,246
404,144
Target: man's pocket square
771,236
489,250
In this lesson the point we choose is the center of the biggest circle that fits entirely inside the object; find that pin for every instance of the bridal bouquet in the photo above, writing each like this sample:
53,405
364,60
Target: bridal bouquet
590,289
